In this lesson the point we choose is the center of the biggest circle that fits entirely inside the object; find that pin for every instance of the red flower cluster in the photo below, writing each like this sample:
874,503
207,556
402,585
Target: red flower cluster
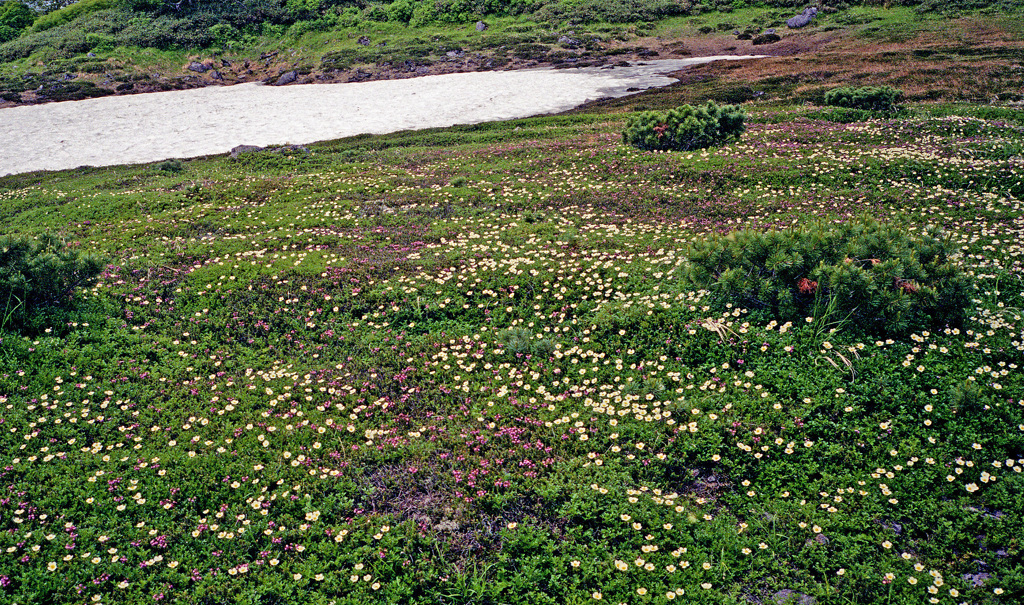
907,286
806,286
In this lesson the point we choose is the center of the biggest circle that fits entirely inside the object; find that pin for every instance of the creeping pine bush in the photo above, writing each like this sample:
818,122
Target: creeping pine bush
871,276
870,98
685,127
39,276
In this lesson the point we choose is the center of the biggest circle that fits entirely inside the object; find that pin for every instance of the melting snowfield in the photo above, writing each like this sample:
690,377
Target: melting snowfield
188,123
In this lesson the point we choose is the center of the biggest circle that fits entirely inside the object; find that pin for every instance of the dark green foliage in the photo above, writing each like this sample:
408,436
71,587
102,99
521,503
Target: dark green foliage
871,98
612,11
520,341
119,27
70,13
876,277
14,17
172,166
38,276
685,127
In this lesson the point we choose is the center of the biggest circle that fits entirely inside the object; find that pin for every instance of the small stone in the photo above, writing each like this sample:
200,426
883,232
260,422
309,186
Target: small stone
792,597
287,78
481,26
240,149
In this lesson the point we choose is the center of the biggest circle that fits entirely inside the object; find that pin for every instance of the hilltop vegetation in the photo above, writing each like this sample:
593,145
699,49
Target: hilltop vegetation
98,47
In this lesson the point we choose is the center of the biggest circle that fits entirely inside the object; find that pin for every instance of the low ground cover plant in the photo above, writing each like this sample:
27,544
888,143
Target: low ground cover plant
869,98
685,128
465,366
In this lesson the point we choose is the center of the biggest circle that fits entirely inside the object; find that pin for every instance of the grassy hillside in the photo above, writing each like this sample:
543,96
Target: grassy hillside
466,366
101,47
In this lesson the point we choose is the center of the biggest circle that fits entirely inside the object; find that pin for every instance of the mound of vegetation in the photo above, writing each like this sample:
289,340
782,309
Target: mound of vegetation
684,128
14,17
869,98
877,278
39,277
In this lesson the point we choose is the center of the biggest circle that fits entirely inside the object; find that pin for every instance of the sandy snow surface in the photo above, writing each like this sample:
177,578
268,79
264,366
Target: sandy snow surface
187,123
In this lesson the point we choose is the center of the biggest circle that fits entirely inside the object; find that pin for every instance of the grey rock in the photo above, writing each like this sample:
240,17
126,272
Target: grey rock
803,19
792,597
567,41
976,579
198,67
481,26
225,63
363,41
798,21
240,149
216,75
454,53
90,54
287,78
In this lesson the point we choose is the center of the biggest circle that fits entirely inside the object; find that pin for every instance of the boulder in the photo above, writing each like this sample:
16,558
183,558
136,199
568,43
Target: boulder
567,41
287,78
363,41
240,149
216,75
798,21
198,67
481,26
803,19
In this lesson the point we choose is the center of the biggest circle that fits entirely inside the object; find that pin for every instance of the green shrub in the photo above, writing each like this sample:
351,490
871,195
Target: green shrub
871,98
520,341
685,127
40,276
173,166
873,276
70,13
14,18
611,11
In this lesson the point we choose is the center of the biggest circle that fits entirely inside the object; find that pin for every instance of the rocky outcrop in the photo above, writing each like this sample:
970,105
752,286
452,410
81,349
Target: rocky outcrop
803,19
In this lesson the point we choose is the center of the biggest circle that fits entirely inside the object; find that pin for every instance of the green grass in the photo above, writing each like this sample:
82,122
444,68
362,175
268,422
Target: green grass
462,366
